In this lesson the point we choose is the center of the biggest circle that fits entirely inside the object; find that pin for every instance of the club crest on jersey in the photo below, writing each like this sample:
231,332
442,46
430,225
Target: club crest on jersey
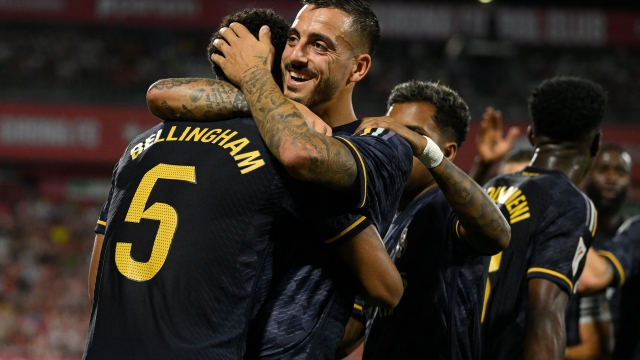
378,132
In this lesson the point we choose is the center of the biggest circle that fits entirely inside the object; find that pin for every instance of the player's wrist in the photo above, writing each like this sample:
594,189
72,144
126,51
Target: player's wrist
431,155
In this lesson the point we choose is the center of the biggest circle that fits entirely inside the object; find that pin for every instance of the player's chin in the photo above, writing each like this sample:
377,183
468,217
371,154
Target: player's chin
295,95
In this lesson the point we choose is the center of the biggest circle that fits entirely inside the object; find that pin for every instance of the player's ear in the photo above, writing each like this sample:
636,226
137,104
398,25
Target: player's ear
531,136
595,144
450,150
361,66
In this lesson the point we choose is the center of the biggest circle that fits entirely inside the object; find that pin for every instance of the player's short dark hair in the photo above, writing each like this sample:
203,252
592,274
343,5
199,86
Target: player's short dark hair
452,113
254,19
519,155
567,108
365,22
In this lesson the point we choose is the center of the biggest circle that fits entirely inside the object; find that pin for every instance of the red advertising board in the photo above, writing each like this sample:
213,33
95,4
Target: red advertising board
81,134
68,133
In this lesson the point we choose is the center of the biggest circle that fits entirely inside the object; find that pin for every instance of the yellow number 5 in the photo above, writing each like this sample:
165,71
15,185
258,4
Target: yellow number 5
144,271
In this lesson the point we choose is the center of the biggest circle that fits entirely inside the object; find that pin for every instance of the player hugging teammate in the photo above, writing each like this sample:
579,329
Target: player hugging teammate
268,262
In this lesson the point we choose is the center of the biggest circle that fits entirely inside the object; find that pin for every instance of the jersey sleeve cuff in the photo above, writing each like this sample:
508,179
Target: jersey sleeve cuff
619,276
358,312
350,232
560,279
362,171
101,227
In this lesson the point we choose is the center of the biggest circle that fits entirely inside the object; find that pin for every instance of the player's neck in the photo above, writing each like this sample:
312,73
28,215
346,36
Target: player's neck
608,222
337,111
573,162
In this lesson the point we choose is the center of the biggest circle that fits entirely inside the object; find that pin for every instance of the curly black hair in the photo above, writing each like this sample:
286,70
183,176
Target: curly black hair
567,108
365,22
254,19
452,113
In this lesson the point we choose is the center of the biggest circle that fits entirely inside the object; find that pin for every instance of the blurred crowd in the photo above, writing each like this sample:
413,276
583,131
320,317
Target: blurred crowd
98,64
45,246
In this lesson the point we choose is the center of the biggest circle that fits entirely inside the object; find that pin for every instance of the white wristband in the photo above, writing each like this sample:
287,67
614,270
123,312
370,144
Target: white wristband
431,155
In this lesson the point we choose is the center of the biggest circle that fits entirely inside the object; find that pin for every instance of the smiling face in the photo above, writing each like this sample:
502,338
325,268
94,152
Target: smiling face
318,58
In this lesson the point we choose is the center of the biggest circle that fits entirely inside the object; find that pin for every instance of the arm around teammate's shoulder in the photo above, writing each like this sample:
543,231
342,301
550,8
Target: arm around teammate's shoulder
369,261
195,99
545,334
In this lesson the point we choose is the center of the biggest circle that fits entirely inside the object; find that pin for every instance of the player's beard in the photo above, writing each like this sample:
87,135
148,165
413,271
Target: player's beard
324,91
605,207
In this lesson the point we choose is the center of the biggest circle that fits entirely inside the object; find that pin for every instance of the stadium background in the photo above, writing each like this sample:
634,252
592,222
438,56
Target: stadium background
73,77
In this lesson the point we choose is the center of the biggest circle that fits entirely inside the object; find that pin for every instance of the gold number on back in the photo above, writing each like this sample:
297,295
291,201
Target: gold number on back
166,214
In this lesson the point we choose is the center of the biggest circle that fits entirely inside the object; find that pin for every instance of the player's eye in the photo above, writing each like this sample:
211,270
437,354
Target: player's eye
319,46
292,39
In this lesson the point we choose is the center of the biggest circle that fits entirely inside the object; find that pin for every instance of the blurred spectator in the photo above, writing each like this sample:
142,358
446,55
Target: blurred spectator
115,65
44,251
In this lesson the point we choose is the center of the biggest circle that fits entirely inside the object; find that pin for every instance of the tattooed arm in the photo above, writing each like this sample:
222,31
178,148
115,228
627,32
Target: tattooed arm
482,225
193,99
306,154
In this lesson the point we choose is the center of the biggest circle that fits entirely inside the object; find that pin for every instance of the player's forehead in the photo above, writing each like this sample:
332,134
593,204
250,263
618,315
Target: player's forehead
415,114
328,22
613,158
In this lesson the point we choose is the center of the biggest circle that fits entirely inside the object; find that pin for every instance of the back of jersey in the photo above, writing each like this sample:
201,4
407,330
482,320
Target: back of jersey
187,236
552,226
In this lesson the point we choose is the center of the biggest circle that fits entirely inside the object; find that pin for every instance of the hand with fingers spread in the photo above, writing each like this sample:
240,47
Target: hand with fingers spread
417,141
492,146
242,53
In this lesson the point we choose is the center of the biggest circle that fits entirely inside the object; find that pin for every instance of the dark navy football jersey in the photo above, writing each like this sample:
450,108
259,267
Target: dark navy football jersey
191,220
444,280
573,315
552,227
624,255
305,313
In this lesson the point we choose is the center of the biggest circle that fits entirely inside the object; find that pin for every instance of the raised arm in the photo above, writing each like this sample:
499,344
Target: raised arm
482,225
192,99
306,154
491,145
368,259
545,334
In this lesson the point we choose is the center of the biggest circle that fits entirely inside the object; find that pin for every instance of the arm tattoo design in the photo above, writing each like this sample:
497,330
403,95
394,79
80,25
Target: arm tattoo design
284,129
198,99
477,213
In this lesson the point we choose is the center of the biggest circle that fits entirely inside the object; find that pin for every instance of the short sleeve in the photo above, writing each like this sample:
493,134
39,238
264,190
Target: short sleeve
101,224
338,230
384,161
559,252
624,251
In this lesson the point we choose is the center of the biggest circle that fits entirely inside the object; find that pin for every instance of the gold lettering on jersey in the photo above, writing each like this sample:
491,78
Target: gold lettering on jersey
196,134
514,201
184,133
170,136
236,145
247,161
225,136
208,137
158,138
250,161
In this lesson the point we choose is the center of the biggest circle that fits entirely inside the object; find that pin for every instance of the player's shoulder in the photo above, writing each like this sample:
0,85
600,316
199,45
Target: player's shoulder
631,225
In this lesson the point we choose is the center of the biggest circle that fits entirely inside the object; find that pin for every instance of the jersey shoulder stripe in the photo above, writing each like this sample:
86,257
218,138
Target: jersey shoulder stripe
552,273
362,166
616,264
